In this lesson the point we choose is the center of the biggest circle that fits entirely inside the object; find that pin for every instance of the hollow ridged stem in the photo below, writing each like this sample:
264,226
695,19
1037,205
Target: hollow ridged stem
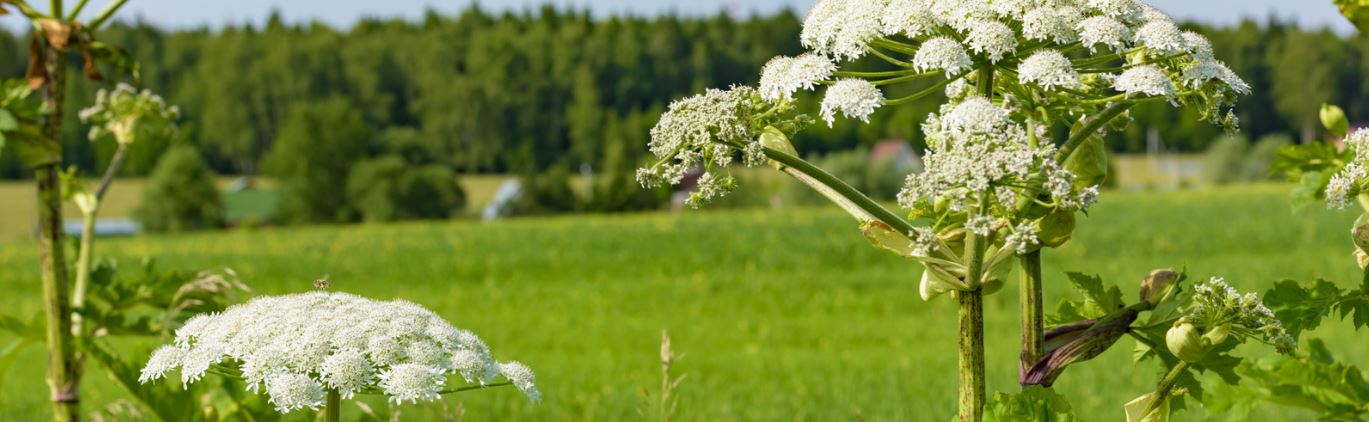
1032,313
64,374
333,409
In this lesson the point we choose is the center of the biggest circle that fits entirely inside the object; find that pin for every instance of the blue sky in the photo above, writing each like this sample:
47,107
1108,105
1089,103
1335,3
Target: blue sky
187,13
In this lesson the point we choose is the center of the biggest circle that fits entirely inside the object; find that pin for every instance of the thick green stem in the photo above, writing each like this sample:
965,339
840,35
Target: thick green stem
1162,391
1033,314
846,196
973,393
64,373
333,409
972,383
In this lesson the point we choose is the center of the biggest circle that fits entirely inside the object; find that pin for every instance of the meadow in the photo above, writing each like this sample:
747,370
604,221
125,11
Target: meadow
780,315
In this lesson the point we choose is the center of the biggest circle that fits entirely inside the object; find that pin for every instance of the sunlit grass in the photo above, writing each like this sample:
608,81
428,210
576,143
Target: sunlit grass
780,315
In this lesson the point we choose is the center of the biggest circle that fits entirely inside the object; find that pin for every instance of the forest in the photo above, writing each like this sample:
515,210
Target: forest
484,92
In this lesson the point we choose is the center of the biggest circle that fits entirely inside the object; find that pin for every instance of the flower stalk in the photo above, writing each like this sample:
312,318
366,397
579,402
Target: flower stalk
332,410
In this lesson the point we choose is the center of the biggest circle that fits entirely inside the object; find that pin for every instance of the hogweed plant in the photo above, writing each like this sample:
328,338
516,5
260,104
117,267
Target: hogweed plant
1002,181
311,350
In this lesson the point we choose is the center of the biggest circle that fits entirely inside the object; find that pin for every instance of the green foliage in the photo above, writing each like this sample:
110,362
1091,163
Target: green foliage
1302,307
1357,11
1224,160
1311,166
390,189
1033,403
180,195
1098,300
543,80
1332,390
313,154
547,192
1260,159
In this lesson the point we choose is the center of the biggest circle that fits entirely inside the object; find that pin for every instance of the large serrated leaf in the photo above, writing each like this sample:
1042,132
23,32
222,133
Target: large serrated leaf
1034,403
1098,300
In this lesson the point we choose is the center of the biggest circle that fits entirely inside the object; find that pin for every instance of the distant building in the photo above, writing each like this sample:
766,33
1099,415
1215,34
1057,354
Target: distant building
905,160
688,184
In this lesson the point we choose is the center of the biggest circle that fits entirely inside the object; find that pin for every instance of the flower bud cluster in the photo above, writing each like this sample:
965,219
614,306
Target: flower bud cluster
126,114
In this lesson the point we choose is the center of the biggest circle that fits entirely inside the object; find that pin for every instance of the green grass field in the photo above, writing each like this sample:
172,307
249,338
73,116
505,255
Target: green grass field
779,315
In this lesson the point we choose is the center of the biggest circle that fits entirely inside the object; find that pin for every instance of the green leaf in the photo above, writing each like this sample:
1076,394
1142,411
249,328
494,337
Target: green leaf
1098,300
1333,390
1302,307
8,355
1034,403
7,121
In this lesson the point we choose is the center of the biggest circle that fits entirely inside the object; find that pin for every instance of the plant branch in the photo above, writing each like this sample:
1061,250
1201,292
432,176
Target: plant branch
105,14
850,199
1090,126
80,5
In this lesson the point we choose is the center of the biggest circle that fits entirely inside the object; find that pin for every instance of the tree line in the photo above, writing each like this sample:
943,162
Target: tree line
555,88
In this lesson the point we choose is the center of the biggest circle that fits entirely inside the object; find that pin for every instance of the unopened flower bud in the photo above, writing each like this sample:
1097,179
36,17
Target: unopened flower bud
1334,119
1056,228
1154,287
1361,258
1360,231
775,139
1186,341
1088,163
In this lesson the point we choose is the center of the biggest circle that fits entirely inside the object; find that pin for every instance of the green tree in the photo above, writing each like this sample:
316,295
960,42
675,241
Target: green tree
390,189
317,145
180,195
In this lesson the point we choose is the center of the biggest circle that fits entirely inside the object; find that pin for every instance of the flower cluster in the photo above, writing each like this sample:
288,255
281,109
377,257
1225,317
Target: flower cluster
1348,182
992,32
975,148
297,347
1217,305
126,114
705,130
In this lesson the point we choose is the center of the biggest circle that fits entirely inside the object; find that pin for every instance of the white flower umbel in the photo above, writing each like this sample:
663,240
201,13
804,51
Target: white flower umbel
973,146
910,18
1208,70
1022,238
1163,36
1216,303
1345,184
695,131
1122,9
1051,23
944,54
842,28
853,98
783,76
521,377
992,39
1198,46
1103,30
298,346
1148,80
125,114
1048,69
